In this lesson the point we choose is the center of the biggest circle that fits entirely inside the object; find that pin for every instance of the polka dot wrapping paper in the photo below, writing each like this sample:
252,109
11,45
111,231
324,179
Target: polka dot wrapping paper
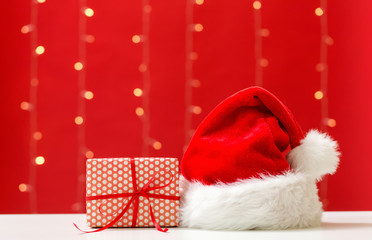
110,177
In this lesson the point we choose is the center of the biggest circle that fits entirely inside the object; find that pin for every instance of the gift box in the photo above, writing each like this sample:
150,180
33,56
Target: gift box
132,192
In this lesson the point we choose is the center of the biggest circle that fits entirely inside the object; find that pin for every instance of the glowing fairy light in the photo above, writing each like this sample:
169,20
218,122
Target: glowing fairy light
136,39
34,82
331,122
89,154
26,29
198,27
78,66
194,56
319,11
147,8
88,95
90,38
264,62
257,5
195,83
318,95
137,92
89,12
265,32
157,145
37,135
196,110
40,50
23,187
25,106
140,111
142,68
39,160
79,120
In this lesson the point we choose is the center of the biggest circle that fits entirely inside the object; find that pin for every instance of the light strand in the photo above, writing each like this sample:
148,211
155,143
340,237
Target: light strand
188,71
80,119
191,56
34,82
144,112
323,64
259,61
322,94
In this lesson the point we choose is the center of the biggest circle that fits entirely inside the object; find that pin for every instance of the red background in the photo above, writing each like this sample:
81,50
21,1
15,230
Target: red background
225,65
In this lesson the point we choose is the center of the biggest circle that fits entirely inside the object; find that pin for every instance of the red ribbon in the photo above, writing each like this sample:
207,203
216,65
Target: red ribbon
144,192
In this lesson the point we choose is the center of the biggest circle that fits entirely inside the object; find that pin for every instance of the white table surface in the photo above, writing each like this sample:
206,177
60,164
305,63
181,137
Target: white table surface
335,225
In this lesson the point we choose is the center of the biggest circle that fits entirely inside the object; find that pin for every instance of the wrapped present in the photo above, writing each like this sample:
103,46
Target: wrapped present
132,192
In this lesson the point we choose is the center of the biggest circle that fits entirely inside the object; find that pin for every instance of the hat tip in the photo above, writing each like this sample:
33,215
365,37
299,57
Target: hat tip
316,156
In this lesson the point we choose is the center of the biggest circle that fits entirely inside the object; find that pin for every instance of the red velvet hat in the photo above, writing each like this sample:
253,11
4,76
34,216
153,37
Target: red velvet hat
250,155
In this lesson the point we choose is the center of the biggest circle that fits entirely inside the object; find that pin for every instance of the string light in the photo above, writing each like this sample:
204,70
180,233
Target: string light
79,120
23,187
319,11
147,8
78,66
25,106
34,82
26,29
37,135
199,2
198,27
318,95
331,122
89,12
39,160
194,56
137,92
319,67
195,83
39,50
90,38
142,68
41,1
257,5
139,111
265,32
136,38
264,62
89,154
88,95
157,145
196,110
328,40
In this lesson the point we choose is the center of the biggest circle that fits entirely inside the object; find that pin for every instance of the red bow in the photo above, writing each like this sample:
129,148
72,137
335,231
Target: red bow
144,192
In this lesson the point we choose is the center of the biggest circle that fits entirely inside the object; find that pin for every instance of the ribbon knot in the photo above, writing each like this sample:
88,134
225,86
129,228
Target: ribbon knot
133,198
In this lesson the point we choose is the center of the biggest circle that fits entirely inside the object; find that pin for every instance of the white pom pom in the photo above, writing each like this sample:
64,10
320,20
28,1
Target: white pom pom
316,156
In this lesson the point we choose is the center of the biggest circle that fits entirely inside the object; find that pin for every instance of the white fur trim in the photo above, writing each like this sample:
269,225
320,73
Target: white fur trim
316,156
273,202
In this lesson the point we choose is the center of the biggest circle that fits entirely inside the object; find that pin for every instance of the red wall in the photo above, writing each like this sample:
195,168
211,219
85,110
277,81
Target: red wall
225,65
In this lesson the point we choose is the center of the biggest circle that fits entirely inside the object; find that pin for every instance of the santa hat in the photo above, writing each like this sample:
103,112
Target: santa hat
249,166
